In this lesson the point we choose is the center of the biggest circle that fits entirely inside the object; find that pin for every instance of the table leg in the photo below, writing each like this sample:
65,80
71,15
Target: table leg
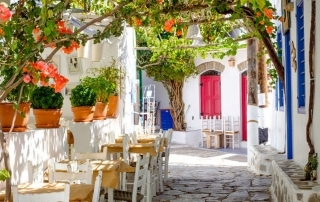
110,195
208,141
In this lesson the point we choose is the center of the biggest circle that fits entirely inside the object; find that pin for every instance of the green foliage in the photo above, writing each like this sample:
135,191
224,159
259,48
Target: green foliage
44,97
4,174
13,96
101,86
313,161
112,74
83,96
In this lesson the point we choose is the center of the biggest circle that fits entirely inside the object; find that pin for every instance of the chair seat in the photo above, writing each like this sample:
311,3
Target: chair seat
124,195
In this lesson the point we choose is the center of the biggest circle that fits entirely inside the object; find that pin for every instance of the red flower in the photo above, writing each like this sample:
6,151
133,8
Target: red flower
5,13
268,12
138,22
27,78
269,29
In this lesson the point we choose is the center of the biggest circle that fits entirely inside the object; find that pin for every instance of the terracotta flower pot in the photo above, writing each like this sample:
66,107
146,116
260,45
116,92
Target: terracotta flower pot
100,112
7,113
47,118
112,106
83,114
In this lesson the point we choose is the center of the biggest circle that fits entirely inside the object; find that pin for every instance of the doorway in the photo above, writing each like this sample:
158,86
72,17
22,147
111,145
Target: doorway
210,89
244,100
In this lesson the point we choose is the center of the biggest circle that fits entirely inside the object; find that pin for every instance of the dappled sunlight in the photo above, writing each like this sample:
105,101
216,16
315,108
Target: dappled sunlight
35,145
224,160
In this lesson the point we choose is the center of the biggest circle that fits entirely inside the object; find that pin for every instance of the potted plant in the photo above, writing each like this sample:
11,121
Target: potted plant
15,99
83,99
102,88
114,75
46,104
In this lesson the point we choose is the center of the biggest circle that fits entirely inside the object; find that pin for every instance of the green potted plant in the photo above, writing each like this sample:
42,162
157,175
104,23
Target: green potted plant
114,75
15,99
102,88
46,104
83,100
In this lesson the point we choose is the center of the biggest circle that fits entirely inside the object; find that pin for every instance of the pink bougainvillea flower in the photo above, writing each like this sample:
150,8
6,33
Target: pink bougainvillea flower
27,78
5,13
269,29
268,12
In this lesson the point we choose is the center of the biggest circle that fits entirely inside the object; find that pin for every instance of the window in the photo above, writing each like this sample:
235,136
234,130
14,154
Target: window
301,88
279,85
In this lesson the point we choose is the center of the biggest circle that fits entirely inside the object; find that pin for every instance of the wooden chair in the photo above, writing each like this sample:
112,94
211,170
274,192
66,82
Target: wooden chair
215,136
231,131
141,172
97,187
165,155
153,174
92,156
63,172
35,172
205,127
62,196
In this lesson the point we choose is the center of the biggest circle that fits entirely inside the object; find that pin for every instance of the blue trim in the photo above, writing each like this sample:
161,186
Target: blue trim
301,88
279,86
288,96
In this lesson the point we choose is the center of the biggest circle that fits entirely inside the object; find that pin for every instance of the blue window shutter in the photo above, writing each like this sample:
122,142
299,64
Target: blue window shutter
301,88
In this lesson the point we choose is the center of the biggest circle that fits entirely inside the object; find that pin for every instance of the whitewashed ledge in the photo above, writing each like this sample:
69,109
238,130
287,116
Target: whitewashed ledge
287,186
35,145
261,157
89,136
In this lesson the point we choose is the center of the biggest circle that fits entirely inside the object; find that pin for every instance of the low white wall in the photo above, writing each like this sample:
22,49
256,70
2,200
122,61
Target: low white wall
88,137
36,145
192,138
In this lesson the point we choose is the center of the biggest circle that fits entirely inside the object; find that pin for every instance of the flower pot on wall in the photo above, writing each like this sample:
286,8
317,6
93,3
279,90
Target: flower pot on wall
100,111
112,106
47,118
83,114
87,49
7,113
96,54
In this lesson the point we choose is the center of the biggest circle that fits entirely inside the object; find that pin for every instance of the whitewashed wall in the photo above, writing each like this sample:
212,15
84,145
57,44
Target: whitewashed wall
35,145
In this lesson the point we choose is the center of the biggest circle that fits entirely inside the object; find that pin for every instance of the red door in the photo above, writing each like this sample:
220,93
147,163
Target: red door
244,107
210,95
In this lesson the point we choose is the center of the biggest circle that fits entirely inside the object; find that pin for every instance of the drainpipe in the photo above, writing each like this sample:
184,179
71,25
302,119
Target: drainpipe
288,95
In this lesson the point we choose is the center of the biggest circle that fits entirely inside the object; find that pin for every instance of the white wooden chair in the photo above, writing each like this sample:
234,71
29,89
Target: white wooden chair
215,136
62,196
126,159
35,172
139,187
97,187
71,173
153,174
231,131
205,127
92,156
165,155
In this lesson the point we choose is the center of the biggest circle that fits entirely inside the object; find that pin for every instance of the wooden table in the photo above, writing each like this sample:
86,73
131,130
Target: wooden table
111,170
217,139
140,148
144,139
78,192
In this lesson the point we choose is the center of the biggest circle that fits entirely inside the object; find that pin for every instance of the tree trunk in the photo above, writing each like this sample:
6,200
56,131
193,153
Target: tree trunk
262,72
311,73
6,158
252,111
174,90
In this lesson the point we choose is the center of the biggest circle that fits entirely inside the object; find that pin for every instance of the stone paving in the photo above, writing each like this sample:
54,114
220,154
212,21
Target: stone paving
208,175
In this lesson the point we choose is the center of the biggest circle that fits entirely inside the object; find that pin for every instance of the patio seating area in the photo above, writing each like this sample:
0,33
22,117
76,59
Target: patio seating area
58,175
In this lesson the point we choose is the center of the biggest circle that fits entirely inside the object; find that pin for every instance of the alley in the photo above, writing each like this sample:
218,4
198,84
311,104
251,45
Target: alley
207,175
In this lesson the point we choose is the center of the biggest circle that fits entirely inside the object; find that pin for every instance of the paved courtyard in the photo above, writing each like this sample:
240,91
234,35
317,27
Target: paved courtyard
208,175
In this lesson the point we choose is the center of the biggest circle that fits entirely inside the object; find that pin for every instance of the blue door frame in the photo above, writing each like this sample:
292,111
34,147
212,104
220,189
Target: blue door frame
288,95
